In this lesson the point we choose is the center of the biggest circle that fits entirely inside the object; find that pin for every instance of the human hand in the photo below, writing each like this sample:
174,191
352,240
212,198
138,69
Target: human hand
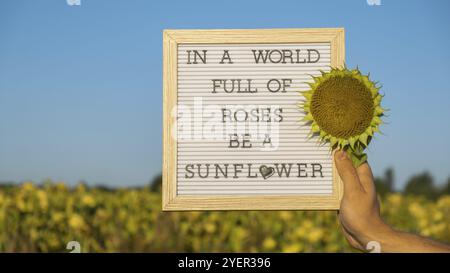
359,213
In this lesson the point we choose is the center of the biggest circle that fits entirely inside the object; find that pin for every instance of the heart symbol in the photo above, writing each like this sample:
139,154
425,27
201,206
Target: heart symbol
266,172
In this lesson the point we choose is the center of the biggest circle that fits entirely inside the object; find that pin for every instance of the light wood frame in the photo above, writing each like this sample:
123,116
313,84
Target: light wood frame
171,38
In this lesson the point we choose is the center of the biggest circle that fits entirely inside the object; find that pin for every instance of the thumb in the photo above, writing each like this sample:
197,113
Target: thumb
347,172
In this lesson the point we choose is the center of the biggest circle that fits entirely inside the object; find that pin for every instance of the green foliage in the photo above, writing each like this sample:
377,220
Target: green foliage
421,184
156,183
385,184
382,187
446,188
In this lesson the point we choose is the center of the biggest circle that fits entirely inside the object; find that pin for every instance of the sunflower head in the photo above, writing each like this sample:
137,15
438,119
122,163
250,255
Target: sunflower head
343,108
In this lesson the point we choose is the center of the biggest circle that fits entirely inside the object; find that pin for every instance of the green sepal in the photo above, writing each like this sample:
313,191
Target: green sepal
308,117
315,128
352,141
357,156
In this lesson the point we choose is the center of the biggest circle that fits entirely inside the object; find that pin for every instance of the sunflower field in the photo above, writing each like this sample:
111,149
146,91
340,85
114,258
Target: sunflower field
45,218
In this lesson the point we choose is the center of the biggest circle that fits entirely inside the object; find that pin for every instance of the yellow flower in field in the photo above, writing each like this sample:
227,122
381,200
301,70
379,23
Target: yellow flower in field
27,186
269,243
292,248
194,215
60,186
315,235
444,202
57,217
330,247
33,234
308,224
53,241
88,201
101,214
300,232
286,215
77,222
132,227
425,232
394,199
438,216
240,233
210,227
213,216
123,214
423,223
237,238
81,188
184,227
437,229
42,199
21,204
417,210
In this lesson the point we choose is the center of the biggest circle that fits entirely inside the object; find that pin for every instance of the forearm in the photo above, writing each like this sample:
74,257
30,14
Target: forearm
391,240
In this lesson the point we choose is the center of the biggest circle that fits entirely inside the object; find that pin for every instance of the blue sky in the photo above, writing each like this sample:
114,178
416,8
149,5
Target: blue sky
81,86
